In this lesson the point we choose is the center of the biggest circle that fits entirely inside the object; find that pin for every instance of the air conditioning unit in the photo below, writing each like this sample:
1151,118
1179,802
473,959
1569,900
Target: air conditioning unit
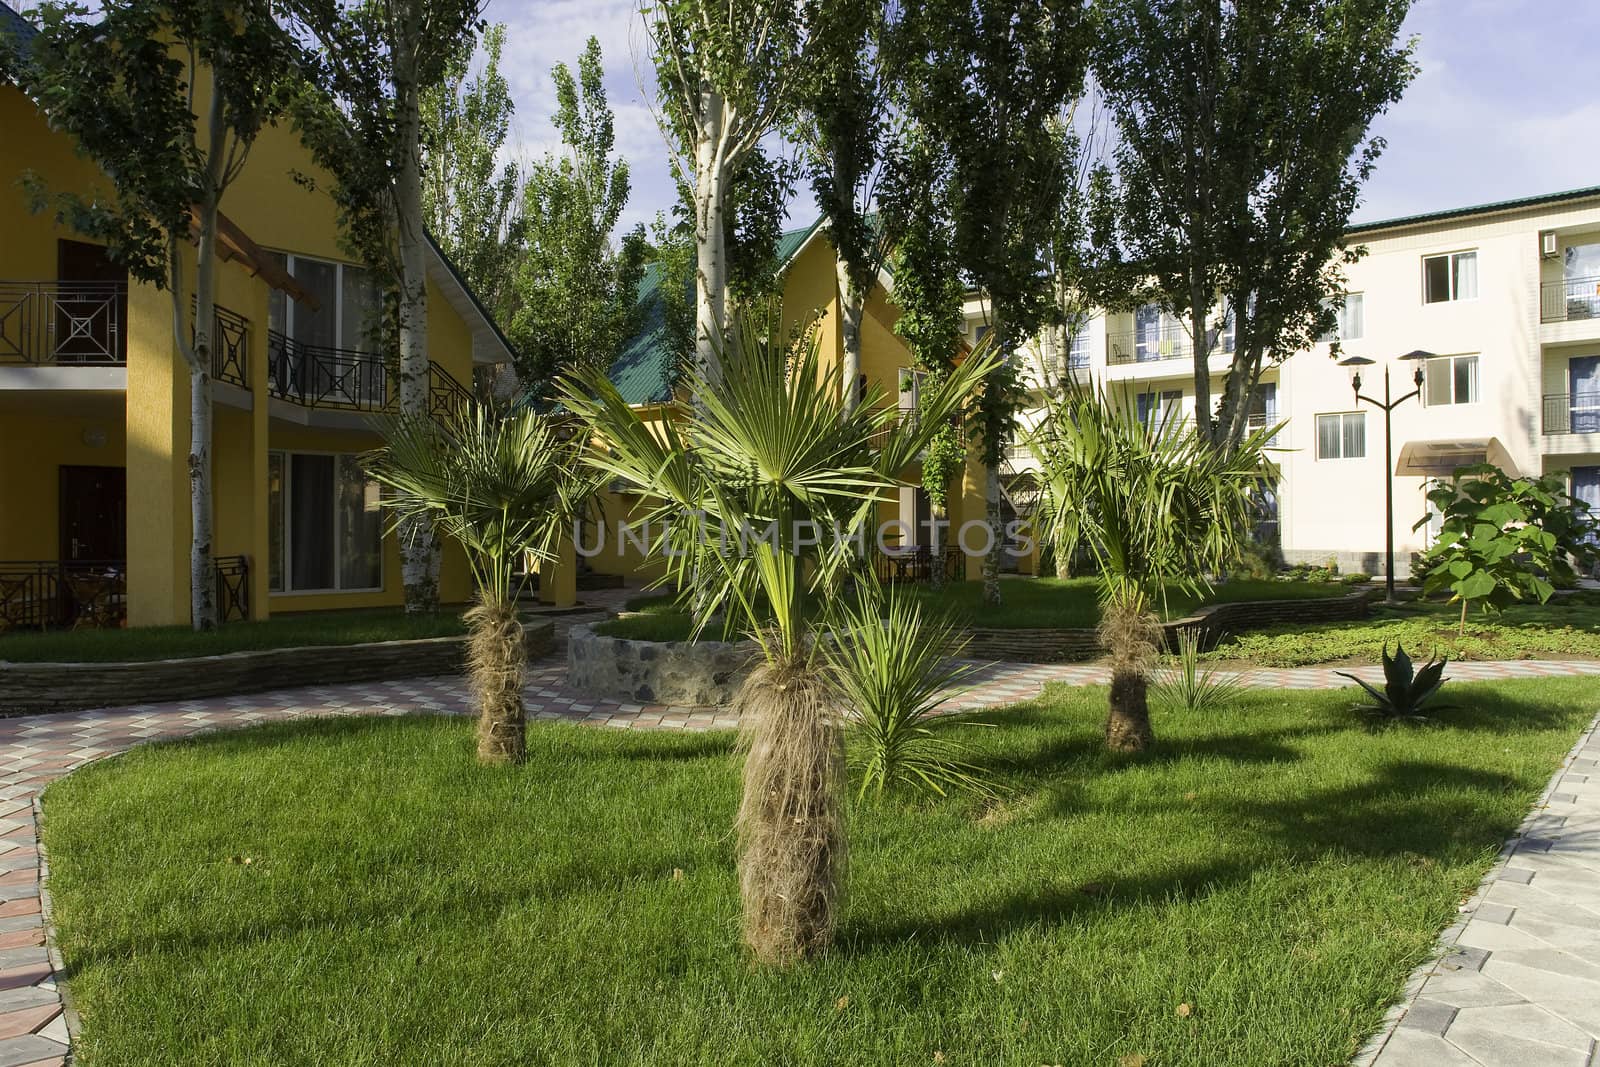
1549,246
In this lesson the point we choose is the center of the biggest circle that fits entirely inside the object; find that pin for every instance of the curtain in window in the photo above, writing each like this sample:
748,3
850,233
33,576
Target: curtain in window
311,522
1147,333
1354,325
1466,275
360,528
1355,436
1327,437
1583,375
1438,382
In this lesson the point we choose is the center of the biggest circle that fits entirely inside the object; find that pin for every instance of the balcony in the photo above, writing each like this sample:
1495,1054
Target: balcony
1571,413
1147,346
79,594
63,323
1569,300
344,379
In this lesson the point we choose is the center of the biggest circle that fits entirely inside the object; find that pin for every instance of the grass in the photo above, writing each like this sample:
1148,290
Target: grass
359,892
1567,628
1074,603
171,642
1028,603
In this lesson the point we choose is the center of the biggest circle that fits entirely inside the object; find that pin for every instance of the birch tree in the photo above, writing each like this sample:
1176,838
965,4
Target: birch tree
167,99
845,127
728,72
1243,142
984,79
362,120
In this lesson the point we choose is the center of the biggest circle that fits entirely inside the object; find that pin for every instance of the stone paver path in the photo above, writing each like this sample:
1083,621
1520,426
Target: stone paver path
35,750
1518,981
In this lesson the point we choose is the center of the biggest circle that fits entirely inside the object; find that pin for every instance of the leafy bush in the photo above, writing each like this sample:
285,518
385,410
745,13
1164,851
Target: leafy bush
894,672
1504,539
1190,686
1357,578
1407,692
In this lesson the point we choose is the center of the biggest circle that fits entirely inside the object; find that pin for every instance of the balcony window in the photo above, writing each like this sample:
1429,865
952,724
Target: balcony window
1160,411
1155,334
1450,277
325,530
1351,313
350,301
1342,435
1452,380
1078,353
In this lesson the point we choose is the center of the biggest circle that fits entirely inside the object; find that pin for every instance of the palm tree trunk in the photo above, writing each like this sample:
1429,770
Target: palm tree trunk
792,848
496,661
1130,634
1128,722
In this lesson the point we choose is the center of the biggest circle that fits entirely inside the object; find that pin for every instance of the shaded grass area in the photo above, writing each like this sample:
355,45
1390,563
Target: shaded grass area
1029,603
171,642
1566,628
359,892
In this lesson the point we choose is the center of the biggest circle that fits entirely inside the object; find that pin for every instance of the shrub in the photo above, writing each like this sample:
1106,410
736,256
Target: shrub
1190,686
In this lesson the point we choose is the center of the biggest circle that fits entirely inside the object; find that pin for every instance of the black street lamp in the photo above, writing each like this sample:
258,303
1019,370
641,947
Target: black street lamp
1387,405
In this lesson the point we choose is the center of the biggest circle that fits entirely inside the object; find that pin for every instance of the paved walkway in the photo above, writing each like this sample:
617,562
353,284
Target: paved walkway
1517,983
35,750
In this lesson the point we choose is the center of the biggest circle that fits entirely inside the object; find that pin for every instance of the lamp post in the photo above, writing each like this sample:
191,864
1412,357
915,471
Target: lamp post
1387,405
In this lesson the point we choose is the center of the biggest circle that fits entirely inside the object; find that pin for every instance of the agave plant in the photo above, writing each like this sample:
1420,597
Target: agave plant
1407,692
504,489
894,666
1155,506
752,481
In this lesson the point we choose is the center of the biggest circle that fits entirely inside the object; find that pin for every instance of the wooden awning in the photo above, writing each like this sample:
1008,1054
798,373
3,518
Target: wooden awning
234,244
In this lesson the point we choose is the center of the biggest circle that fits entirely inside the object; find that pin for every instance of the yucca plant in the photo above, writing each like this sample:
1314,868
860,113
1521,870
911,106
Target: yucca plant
1407,692
503,489
1156,507
751,481
894,667
1191,686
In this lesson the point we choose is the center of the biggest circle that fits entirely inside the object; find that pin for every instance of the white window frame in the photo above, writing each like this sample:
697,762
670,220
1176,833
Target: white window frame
1341,309
1450,272
339,266
1450,362
287,538
1316,424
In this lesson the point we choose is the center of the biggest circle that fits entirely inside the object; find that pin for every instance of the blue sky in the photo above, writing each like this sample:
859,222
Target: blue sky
1506,103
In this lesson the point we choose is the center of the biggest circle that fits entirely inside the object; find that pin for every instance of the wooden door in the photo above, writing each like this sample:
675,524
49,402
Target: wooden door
93,509
91,312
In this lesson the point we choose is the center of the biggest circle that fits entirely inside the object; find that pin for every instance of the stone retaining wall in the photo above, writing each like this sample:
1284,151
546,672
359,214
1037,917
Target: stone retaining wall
33,688
694,674
1213,621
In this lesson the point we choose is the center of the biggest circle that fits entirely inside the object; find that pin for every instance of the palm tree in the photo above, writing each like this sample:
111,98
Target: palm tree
1155,506
753,480
504,489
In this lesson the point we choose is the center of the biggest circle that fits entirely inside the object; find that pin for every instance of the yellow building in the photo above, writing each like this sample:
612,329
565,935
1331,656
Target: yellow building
94,403
645,375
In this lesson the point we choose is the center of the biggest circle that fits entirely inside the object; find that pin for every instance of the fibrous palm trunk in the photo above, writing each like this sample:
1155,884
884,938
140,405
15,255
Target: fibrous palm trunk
1130,635
496,662
792,850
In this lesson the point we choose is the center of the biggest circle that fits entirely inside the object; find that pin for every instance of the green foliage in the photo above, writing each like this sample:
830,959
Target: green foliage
1504,539
1407,692
1267,103
1188,685
469,200
576,287
502,488
892,666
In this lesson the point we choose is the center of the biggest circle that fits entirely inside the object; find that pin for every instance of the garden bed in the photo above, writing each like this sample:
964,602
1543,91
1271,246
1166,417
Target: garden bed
32,688
654,671
1255,890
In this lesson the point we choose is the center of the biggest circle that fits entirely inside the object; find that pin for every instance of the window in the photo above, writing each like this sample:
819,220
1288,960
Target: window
1352,319
325,528
1159,411
1450,277
1078,354
1155,334
1342,436
349,297
1452,380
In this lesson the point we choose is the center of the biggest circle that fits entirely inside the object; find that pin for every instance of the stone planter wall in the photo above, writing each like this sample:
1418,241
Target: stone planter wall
33,688
694,674
1214,622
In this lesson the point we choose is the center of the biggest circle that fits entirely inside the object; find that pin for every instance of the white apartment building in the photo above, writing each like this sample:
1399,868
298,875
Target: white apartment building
1506,297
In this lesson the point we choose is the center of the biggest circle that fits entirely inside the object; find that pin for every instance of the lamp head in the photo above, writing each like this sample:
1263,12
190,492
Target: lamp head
1354,364
1419,357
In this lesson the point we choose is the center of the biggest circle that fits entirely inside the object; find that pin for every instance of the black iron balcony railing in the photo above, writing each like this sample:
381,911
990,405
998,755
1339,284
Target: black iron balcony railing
78,594
344,379
48,323
1569,299
1147,346
917,564
1572,413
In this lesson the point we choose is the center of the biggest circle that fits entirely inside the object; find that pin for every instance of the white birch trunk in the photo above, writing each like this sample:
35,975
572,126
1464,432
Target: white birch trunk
419,552
851,305
710,236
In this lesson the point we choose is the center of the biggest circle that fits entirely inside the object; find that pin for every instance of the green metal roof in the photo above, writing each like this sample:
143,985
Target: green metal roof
643,372
1477,209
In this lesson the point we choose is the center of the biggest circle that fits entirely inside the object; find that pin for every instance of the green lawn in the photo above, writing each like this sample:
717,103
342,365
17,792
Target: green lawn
168,642
359,892
1028,603
1566,628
